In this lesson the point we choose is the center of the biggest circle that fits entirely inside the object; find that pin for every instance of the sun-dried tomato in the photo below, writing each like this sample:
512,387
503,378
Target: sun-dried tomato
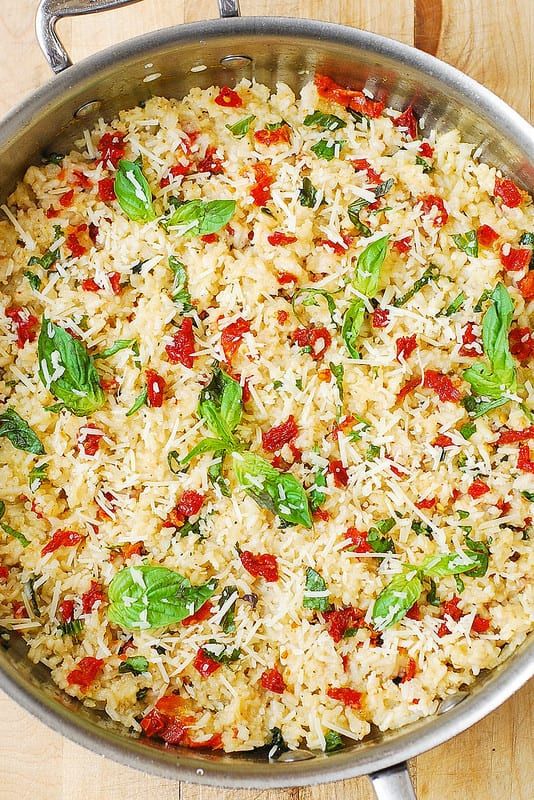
279,238
408,387
90,285
522,342
115,282
285,278
190,503
426,150
524,462
275,438
428,502
349,697
442,385
515,259
450,608
340,620
182,347
318,340
471,345
526,286
106,190
509,193
478,488
325,375
18,610
486,235
480,624
443,441
176,171
211,162
81,180
111,147
66,199
25,324
337,248
93,595
503,506
205,665
209,238
153,723
402,245
407,120
85,672
89,442
66,611
405,346
4,573
431,201
228,98
362,165
261,190
170,704
62,538
109,384
273,681
380,318
232,336
511,437
203,613
279,136
93,232
341,476
111,502
155,386
262,565
75,246
358,541
409,671
350,98
414,612
133,549
50,213
321,514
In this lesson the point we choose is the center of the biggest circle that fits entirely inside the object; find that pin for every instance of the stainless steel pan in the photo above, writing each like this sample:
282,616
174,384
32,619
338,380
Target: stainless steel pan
268,49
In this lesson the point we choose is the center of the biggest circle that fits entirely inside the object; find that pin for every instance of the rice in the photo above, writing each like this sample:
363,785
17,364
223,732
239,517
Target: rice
120,496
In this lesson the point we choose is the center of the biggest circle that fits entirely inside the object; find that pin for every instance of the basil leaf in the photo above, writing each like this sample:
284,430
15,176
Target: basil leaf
139,402
431,597
116,347
431,273
46,261
358,117
354,211
205,446
440,566
180,292
368,266
315,583
240,128
308,297
216,477
19,433
325,122
468,430
338,371
149,596
67,370
133,192
33,279
468,242
455,306
377,539
274,126
279,492
135,664
277,744
427,167
308,194
11,531
352,323
396,599
333,741
476,407
72,628
53,158
221,653
37,476
228,620
383,188
197,218
226,395
479,552
528,496
527,240
327,150
317,497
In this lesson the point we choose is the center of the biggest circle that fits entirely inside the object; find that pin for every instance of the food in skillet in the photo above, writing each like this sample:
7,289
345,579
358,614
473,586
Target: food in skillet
267,439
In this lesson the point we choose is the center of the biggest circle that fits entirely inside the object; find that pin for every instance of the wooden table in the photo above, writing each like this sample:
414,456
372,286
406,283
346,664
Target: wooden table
492,40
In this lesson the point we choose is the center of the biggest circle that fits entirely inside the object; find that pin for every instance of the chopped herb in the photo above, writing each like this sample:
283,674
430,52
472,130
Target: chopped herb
136,269
228,620
383,188
298,381
135,664
528,496
37,476
221,653
72,628
116,347
462,514
479,552
315,591
33,279
333,741
308,194
277,384
431,596
180,292
327,150
484,297
19,433
325,122
275,126
267,211
468,242
373,451
317,497
308,297
53,158
338,371
476,407
468,430
427,166
460,585
354,211
240,128
139,402
359,118
141,693
420,528
455,306
431,273
11,531
377,539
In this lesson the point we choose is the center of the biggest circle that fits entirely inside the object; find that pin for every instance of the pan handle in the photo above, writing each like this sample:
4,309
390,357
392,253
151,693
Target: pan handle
50,11
393,783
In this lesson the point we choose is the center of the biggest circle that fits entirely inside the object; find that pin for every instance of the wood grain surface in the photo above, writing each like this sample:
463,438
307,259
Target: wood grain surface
491,40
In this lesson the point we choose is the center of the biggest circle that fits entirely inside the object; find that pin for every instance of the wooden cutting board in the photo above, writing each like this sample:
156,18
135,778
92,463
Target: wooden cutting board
491,40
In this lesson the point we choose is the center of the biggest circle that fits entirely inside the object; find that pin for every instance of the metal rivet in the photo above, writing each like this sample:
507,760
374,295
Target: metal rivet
235,62
87,109
451,702
295,755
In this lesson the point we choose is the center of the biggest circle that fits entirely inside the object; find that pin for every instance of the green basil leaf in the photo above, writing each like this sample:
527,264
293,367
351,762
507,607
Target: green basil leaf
19,433
315,591
528,496
308,194
67,370
397,598
352,323
240,128
358,117
317,497
468,242
37,476
368,266
479,552
440,566
383,188
135,664
354,211
33,279
333,741
11,531
46,261
431,273
325,122
455,306
225,395
377,539
277,744
427,166
216,477
133,192
221,653
140,401
72,628
205,446
468,430
308,297
432,597
327,150
274,126
279,492
180,292
197,218
228,620
149,596
527,240
116,347
476,407
338,371
53,158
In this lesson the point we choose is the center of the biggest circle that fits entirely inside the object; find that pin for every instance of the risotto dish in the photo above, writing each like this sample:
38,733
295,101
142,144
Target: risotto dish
266,420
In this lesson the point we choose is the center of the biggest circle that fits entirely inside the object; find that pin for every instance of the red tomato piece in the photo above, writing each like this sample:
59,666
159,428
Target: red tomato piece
111,148
509,193
362,165
407,120
153,723
62,538
275,438
182,347
318,340
228,98
511,437
428,502
50,213
74,245
380,318
4,574
526,286
480,624
486,235
522,342
115,281
81,180
89,442
155,385
106,190
405,346
176,171
478,488
408,387
232,336
524,462
358,541
273,681
409,671
190,503
282,317
109,384
515,259
66,199
414,612
93,595
432,201
203,613
278,237
66,611
205,665
90,285
351,98
25,324
442,385
443,441
349,697
209,238
402,245
340,620
261,190
86,671
471,344
341,476
450,608
426,150
211,162
285,278
263,565
280,136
